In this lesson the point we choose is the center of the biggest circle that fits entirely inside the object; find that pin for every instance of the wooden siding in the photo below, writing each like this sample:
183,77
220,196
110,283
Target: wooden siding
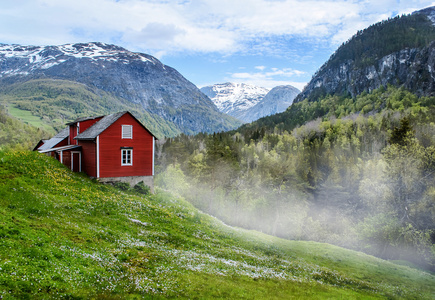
110,150
66,158
88,123
72,134
89,158
83,125
64,142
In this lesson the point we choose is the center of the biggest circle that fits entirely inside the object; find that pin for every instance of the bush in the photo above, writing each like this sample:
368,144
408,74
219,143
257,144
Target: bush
125,186
142,188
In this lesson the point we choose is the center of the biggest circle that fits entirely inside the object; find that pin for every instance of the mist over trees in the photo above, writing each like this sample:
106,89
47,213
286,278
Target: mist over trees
359,174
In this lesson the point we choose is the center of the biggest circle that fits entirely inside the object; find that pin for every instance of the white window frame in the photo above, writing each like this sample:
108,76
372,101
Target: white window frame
129,154
127,132
78,132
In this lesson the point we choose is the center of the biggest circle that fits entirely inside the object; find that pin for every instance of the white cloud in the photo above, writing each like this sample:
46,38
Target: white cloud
228,27
196,25
269,78
154,35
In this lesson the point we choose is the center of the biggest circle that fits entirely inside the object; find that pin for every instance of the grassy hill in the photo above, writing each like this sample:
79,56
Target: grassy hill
63,235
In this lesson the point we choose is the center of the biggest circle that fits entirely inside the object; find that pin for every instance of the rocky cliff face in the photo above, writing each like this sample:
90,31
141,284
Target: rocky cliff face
136,77
413,69
410,67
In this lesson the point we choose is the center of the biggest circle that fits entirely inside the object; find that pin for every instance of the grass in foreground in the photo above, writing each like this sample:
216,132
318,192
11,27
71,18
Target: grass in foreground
65,236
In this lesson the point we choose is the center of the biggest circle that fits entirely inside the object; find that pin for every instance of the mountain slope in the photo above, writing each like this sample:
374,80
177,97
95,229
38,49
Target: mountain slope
399,51
138,78
65,236
26,139
235,98
55,102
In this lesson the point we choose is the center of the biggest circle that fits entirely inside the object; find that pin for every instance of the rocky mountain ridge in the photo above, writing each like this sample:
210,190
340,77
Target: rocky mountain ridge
399,51
136,77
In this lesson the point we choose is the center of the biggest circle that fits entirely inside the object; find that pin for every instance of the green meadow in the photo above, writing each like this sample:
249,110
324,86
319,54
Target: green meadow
64,236
28,118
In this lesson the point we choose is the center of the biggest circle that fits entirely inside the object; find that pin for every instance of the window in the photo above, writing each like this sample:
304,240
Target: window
127,131
127,157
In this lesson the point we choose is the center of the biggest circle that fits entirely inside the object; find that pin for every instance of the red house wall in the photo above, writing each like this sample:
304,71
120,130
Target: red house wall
83,125
62,143
88,123
89,157
72,134
110,143
66,159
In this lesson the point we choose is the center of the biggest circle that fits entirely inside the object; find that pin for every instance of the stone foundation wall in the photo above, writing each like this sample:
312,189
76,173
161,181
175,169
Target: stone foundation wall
132,180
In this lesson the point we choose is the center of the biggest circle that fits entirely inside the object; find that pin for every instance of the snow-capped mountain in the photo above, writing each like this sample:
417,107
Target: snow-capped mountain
234,98
45,57
136,77
277,100
248,102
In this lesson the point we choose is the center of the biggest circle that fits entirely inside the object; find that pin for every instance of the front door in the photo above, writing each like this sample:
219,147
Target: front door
76,161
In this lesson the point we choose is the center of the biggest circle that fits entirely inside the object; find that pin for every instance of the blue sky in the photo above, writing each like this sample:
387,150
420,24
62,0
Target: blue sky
262,42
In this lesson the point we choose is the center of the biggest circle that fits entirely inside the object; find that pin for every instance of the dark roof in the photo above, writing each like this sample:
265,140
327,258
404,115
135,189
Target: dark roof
39,144
64,133
83,119
96,129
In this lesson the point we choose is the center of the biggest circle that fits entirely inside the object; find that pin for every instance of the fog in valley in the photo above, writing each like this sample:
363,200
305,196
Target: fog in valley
361,182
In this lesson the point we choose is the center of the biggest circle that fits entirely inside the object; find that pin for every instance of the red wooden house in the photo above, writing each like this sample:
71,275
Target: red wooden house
111,148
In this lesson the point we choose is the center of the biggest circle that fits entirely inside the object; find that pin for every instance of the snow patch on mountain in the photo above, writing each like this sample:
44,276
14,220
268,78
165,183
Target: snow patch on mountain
45,57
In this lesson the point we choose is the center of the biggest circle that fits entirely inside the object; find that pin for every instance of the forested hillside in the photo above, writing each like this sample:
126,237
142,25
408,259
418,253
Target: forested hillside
360,173
383,38
333,106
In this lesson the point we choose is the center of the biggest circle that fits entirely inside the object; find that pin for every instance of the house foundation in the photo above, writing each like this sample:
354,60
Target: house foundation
132,180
